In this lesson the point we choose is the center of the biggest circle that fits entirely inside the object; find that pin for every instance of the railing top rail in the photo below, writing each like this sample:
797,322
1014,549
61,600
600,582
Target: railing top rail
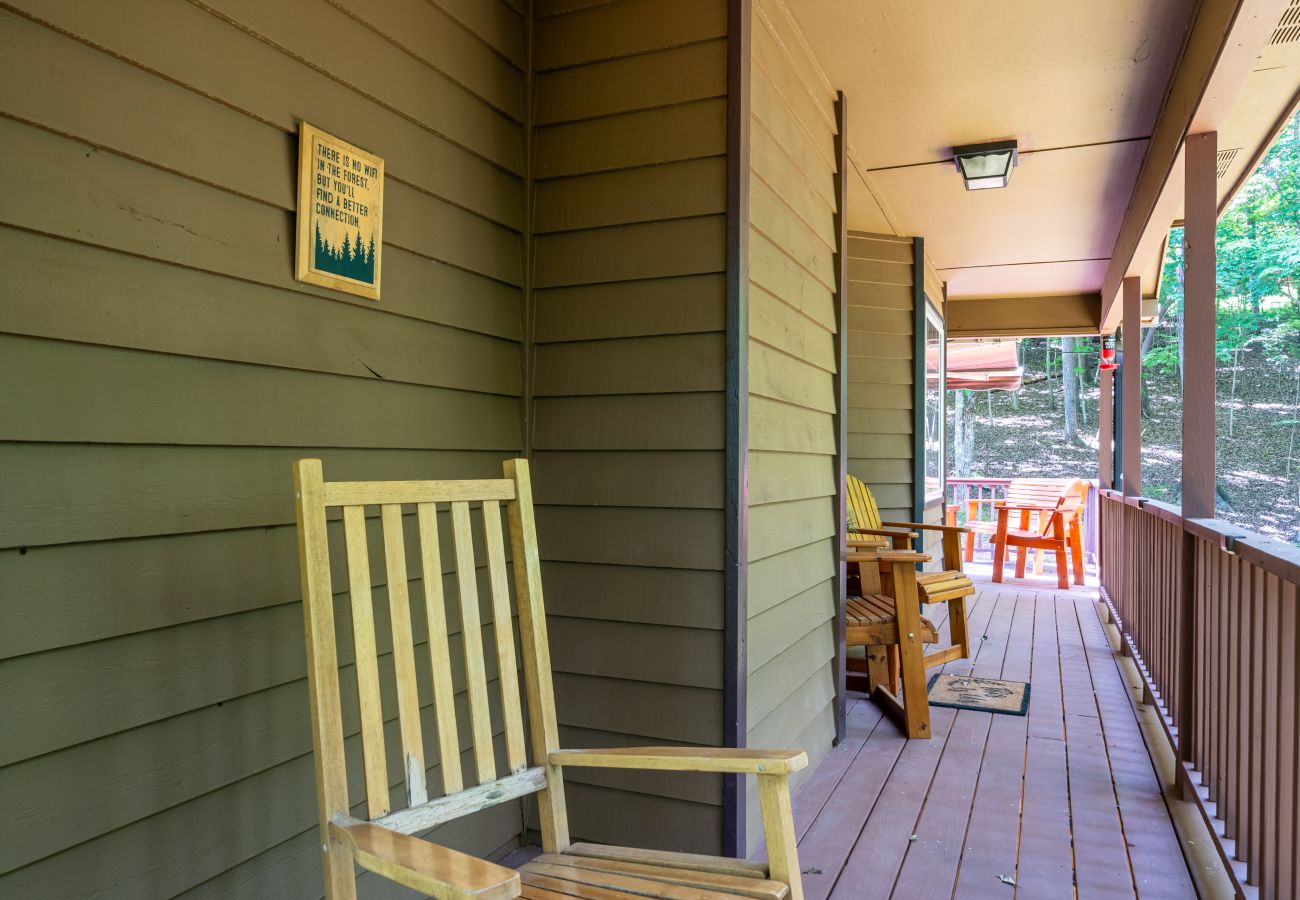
1282,560
980,480
1276,557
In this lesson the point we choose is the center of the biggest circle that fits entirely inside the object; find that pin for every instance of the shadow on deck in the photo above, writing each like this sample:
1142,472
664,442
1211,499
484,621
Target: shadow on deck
1064,799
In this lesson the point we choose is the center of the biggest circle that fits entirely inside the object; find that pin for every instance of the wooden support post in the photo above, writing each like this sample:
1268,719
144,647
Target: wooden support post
735,538
1106,429
1132,386
1198,326
1201,214
841,394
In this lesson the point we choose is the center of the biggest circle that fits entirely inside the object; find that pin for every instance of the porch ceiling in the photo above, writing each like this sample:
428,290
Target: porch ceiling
1079,86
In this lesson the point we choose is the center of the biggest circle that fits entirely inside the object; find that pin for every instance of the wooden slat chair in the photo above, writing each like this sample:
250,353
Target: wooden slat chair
951,586
892,630
981,512
1055,529
378,835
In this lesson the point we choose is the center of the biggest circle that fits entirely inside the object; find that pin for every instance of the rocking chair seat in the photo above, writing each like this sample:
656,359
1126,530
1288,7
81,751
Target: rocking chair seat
873,619
1028,536
613,873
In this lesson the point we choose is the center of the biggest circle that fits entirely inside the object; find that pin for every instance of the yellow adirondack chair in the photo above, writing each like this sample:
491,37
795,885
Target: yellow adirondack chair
381,840
951,586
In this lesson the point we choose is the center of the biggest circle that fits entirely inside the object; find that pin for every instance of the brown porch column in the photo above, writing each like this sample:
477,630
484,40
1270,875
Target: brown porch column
1132,386
1198,325
1106,429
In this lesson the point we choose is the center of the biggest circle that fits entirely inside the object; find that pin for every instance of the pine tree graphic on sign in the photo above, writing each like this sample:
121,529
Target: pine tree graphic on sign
354,258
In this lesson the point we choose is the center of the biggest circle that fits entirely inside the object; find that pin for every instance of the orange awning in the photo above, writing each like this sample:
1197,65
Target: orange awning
983,366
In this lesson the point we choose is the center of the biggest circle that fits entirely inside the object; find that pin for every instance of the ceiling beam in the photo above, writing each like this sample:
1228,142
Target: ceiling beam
1220,51
1022,316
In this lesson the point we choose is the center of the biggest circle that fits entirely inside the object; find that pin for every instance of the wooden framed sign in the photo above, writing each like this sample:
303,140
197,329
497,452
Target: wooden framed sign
340,214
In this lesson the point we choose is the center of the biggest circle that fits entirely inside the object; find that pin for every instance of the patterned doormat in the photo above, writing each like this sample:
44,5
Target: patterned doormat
984,694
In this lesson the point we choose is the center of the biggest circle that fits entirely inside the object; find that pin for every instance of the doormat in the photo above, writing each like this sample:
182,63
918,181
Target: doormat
984,694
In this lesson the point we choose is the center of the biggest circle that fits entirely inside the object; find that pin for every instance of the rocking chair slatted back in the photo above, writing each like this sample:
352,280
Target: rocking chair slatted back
863,512
314,497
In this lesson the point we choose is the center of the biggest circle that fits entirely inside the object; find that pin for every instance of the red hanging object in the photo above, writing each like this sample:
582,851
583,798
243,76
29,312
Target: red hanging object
1107,363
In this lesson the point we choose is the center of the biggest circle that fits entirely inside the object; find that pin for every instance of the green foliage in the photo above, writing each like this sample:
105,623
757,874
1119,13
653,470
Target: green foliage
1258,273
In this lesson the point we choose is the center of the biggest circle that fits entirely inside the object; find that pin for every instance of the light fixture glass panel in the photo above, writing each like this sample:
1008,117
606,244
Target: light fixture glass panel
986,165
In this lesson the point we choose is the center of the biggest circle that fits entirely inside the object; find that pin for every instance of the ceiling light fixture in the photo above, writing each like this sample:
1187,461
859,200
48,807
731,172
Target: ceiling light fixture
985,166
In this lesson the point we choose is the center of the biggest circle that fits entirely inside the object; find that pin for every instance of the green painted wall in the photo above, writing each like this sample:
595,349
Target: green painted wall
627,320
792,370
162,369
881,417
557,289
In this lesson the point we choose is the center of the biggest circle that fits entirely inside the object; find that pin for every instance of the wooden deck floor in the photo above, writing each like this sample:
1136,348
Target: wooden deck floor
1064,801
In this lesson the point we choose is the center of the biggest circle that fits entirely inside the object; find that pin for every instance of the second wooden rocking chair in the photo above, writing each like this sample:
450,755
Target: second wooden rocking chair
892,629
951,586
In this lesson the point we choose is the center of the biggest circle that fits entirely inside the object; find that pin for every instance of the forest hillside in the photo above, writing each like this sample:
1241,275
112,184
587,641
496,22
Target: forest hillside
1022,433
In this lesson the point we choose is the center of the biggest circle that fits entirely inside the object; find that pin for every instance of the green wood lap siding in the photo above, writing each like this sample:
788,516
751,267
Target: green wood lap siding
880,369
164,369
626,418
791,692
881,372
169,369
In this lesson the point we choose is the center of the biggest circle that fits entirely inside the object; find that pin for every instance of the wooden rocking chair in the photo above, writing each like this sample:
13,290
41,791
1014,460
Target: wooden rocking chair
892,630
1054,529
381,841
951,586
1028,496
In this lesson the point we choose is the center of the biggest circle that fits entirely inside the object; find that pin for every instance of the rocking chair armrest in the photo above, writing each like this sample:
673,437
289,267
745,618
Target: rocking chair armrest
887,556
922,526
884,532
421,865
686,759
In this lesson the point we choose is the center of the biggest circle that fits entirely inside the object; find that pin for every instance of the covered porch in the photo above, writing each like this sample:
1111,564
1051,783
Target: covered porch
688,259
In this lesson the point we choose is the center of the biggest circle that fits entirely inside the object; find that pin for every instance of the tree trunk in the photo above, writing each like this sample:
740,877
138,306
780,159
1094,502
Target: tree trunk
1178,299
1015,395
1070,384
964,438
1147,339
1047,371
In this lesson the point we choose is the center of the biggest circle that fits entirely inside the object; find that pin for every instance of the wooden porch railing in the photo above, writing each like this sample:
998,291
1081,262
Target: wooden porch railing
961,490
1209,614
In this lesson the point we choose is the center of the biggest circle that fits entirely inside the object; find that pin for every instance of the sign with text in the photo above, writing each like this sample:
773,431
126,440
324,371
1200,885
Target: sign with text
340,214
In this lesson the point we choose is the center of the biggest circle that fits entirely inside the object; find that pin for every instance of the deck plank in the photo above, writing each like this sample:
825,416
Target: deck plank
826,842
876,857
931,864
993,833
860,719
826,846
1045,865
1063,799
1159,870
1100,855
